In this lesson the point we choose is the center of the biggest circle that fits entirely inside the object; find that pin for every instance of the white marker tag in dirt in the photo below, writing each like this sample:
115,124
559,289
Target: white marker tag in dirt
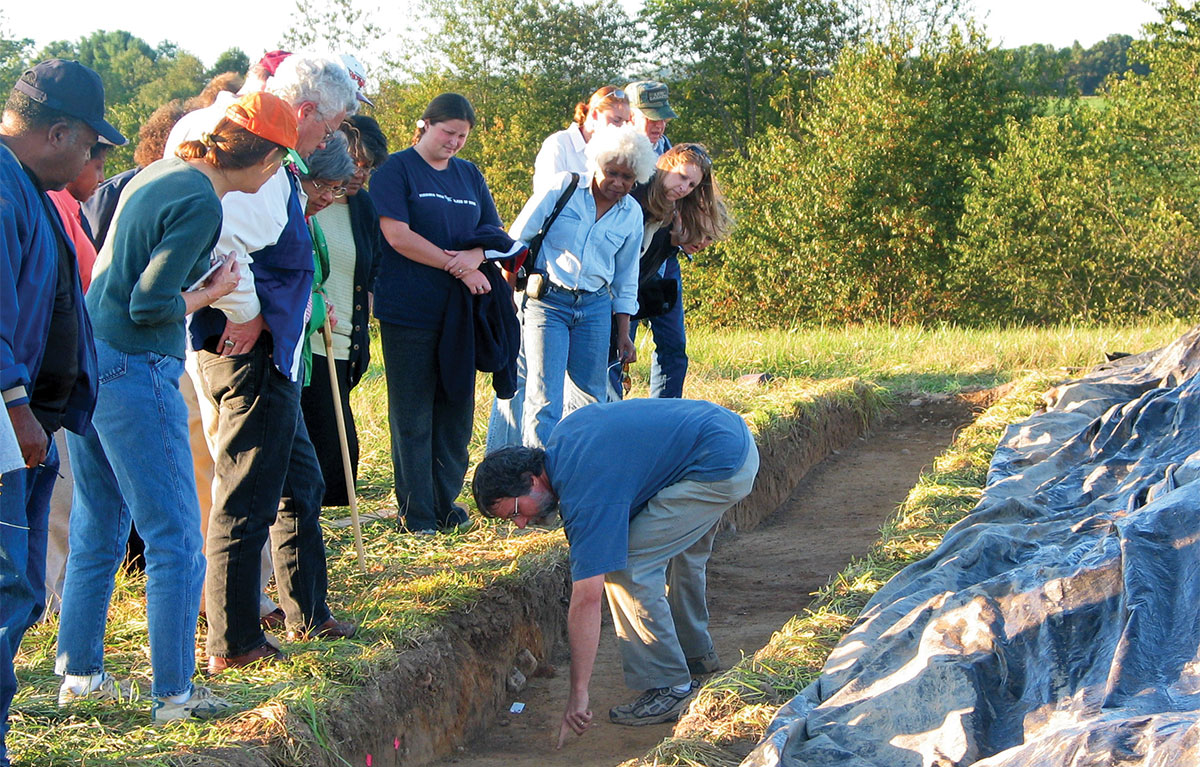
516,708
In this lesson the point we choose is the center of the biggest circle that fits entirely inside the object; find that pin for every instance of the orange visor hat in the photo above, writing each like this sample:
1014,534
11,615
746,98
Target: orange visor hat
270,117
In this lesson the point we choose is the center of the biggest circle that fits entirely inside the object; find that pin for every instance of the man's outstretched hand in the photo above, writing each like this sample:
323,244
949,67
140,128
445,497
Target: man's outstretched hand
576,718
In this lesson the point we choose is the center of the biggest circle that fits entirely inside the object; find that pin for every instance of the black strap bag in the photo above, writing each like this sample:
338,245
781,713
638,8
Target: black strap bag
535,242
656,295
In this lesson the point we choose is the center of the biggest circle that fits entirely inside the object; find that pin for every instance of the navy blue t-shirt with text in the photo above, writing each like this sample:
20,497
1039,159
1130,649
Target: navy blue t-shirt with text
444,207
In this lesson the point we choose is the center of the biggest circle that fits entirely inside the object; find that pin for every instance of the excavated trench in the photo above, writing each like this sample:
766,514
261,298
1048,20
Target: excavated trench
821,496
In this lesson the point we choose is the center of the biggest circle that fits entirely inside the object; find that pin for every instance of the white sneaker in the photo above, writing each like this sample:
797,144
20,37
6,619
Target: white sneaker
110,688
202,705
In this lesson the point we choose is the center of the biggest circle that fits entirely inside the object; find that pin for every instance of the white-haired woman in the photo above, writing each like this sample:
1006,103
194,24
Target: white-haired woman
589,259
562,152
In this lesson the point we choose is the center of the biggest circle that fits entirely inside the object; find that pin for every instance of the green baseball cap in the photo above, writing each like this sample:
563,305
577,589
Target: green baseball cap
650,98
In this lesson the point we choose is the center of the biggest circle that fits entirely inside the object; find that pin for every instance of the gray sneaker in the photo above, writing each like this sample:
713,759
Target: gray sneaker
708,663
653,706
110,689
202,705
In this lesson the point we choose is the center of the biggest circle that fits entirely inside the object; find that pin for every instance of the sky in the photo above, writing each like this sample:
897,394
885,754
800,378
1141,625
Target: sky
260,24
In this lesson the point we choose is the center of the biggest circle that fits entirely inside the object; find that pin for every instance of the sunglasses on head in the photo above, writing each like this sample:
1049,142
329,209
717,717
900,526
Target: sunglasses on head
699,152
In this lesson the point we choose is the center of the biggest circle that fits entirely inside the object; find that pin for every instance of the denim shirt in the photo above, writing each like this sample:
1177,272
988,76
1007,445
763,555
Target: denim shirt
581,253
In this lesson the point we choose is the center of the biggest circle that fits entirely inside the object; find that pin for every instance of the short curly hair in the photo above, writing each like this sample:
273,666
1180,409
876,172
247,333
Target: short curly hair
506,473
319,80
626,145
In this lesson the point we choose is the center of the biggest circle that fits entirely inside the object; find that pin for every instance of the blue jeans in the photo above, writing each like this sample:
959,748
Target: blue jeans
669,361
564,334
24,512
504,424
135,462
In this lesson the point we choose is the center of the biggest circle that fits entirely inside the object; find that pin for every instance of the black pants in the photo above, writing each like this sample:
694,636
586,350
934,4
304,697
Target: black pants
430,432
268,481
316,402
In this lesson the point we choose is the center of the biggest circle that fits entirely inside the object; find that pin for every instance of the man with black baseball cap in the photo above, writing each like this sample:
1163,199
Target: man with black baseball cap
51,121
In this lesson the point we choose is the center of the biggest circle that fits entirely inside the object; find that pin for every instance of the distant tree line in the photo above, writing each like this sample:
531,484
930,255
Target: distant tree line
901,171
1076,70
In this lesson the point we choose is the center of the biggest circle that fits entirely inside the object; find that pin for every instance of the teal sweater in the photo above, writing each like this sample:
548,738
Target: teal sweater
165,226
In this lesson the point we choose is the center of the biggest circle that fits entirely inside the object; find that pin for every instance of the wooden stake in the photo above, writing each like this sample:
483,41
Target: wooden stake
347,469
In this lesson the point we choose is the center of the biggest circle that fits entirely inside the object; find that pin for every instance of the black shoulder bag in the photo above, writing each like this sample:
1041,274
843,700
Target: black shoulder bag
535,243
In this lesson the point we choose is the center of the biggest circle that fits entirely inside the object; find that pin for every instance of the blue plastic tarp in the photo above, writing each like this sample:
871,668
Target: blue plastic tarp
1056,625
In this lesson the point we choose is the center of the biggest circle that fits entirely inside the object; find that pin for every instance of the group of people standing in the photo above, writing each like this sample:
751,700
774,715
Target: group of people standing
220,275
208,254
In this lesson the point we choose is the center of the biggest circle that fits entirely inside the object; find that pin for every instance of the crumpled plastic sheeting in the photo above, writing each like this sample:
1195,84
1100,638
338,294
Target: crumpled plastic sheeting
1058,624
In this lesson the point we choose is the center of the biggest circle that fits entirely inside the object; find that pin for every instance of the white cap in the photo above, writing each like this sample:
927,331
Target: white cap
358,74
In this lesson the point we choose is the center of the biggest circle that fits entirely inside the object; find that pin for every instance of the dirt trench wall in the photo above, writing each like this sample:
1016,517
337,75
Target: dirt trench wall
790,450
453,685
442,692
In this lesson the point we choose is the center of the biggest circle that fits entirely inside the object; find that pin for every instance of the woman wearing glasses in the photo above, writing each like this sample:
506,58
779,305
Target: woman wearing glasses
351,229
428,201
325,181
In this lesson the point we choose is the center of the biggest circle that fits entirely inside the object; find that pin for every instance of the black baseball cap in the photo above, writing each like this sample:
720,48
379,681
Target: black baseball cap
73,89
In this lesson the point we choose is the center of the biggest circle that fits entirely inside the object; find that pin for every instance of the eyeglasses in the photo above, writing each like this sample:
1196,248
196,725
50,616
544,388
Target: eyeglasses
330,131
699,152
606,93
364,167
338,191
507,517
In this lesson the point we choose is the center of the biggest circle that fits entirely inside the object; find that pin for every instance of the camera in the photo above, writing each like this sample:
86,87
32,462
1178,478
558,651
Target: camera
535,285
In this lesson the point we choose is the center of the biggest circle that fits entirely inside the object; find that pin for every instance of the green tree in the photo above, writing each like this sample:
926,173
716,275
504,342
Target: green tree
339,26
1095,215
14,55
523,65
735,65
1039,68
124,61
855,220
918,20
232,60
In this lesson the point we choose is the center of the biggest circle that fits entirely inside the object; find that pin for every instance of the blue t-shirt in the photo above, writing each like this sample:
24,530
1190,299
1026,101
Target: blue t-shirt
606,461
444,207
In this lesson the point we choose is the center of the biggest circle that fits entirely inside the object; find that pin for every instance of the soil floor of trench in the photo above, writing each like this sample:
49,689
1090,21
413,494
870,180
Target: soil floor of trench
757,580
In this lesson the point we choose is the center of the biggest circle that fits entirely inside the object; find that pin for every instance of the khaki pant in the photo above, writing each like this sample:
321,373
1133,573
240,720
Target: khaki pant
58,541
658,601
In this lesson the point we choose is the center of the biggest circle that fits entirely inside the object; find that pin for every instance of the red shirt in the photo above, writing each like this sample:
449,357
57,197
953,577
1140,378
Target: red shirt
85,250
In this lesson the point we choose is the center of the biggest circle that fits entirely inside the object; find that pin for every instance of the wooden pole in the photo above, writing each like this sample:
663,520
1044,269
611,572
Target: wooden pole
347,468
